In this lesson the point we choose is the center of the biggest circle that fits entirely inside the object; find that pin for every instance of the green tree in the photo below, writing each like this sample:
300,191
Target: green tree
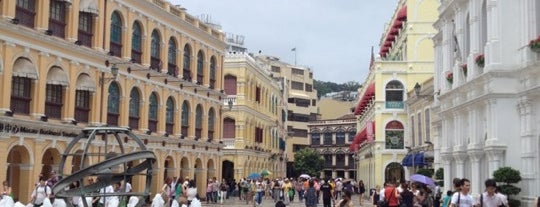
425,172
324,87
308,161
439,176
508,176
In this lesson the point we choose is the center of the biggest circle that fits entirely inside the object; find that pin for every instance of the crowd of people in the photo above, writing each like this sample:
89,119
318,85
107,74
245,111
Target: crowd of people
415,194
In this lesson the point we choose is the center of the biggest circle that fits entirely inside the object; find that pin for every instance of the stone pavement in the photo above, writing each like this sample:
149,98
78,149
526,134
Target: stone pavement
233,201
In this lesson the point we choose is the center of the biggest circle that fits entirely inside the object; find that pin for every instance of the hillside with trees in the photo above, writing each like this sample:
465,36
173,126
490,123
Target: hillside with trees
324,87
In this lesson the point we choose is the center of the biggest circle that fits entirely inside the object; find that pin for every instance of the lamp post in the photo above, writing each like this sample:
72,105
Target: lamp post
230,104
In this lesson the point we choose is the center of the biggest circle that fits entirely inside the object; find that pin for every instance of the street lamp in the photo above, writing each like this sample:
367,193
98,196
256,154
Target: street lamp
230,104
417,90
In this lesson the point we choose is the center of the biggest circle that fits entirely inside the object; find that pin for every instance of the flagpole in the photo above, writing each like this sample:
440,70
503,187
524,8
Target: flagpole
294,50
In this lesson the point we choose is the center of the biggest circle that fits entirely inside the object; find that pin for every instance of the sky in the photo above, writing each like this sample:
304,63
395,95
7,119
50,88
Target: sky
333,38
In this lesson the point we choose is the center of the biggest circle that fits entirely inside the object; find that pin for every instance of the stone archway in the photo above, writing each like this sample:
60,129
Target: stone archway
50,160
394,172
18,173
77,162
227,170
169,168
211,169
199,177
184,171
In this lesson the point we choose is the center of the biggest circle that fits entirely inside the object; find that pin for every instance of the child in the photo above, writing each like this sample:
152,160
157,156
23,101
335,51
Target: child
446,199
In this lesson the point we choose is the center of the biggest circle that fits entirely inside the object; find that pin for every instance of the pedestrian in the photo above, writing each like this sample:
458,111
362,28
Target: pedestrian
339,188
178,188
280,204
311,195
391,194
215,189
40,193
327,192
299,188
6,189
191,192
276,191
375,195
209,191
287,186
491,198
361,191
346,200
446,199
462,198
425,199
166,191
224,187
407,197
259,191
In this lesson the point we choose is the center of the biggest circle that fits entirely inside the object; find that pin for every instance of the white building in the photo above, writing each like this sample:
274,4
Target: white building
490,115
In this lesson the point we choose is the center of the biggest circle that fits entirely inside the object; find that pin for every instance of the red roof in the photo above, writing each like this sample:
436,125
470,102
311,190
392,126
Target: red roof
366,97
397,24
394,31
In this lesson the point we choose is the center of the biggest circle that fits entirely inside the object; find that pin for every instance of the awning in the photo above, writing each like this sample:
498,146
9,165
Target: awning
366,97
25,69
402,14
85,83
397,24
394,31
90,6
298,95
57,76
418,160
407,161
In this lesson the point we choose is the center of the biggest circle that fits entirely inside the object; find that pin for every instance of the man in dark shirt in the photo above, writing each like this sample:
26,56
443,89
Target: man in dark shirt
327,192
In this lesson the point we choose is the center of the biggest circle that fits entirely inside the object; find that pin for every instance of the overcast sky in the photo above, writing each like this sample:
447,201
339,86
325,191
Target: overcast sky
333,37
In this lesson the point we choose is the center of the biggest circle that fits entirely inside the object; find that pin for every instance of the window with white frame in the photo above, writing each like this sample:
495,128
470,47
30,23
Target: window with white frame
427,124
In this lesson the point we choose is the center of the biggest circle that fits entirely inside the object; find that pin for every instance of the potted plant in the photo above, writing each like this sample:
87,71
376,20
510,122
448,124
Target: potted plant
464,68
508,176
479,60
535,44
450,77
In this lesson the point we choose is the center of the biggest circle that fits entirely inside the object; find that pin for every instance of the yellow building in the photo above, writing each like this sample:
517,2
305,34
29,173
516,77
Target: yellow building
406,57
162,80
332,108
301,104
252,124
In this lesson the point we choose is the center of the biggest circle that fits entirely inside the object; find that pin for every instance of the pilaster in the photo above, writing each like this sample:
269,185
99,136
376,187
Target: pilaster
495,154
460,157
475,156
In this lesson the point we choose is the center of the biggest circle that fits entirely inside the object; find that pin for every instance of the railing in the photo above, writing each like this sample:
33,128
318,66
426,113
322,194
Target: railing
229,143
58,28
134,122
81,114
198,133
337,121
85,38
20,105
112,119
116,49
169,128
394,104
186,73
184,131
26,17
53,110
152,125
155,63
136,56
171,70
228,99
160,3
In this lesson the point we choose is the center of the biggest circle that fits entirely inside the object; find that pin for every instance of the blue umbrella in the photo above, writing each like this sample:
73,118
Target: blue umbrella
422,179
254,176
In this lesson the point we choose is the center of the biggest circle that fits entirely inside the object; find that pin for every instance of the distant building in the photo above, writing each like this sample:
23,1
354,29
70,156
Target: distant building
331,138
302,103
336,104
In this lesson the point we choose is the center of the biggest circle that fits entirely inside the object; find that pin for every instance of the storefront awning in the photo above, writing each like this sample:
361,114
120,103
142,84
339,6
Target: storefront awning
402,14
407,160
418,160
90,6
85,83
25,69
57,76
366,97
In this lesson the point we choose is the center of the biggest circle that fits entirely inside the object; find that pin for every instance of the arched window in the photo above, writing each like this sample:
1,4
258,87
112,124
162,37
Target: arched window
21,84
229,128
85,86
394,135
54,101
394,95
187,63
136,43
212,72
169,116
328,138
171,58
113,104
155,61
57,18
86,28
134,108
116,35
198,122
200,67
25,12
153,113
340,159
230,85
185,118
340,137
211,120
315,138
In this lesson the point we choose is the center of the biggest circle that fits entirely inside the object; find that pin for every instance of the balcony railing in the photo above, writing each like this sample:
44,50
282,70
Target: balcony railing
112,119
81,114
152,125
169,128
53,110
20,105
198,133
394,104
185,131
155,63
134,122
85,38
229,143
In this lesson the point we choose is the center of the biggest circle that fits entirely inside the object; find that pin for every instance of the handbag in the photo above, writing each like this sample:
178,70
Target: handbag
384,202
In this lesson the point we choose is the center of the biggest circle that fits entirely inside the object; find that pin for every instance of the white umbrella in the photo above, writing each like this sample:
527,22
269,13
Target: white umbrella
306,176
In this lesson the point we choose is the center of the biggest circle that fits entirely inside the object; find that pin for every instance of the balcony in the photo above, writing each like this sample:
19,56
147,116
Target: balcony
229,99
229,143
394,104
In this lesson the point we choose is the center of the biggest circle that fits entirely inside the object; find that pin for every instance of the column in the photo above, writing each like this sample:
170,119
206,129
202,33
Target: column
42,15
492,126
476,28
6,77
37,108
472,133
164,50
495,157
476,183
72,21
8,8
493,44
459,157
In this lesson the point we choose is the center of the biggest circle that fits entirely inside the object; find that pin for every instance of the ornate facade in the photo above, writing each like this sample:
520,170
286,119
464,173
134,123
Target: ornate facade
253,124
488,78
146,65
406,57
331,139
